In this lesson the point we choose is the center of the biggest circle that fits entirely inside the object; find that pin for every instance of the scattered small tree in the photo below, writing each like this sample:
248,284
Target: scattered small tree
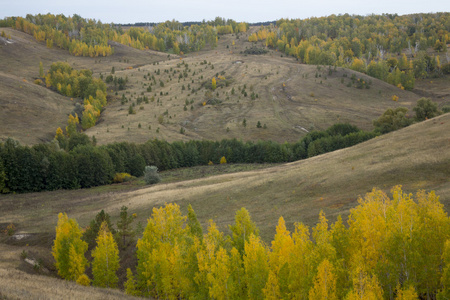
151,175
213,83
223,160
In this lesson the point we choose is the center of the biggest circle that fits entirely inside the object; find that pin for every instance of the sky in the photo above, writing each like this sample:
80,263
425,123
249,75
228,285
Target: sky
133,11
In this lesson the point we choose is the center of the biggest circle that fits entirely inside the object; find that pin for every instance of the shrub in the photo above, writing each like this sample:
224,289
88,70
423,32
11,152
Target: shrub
446,108
426,109
223,160
392,119
122,177
445,68
151,175
10,229
84,280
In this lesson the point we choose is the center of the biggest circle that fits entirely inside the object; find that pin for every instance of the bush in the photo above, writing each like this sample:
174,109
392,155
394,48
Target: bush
445,68
151,175
446,108
122,177
392,119
426,109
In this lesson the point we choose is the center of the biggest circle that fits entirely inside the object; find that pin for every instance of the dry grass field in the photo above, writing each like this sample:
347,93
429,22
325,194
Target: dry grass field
292,98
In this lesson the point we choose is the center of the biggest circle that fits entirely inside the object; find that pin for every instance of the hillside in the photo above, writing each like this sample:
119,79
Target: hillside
290,98
31,113
416,157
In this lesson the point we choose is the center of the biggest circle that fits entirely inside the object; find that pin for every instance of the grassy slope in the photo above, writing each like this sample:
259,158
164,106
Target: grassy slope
285,110
416,157
304,102
31,113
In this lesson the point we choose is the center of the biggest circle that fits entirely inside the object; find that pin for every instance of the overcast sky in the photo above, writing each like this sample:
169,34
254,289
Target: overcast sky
132,11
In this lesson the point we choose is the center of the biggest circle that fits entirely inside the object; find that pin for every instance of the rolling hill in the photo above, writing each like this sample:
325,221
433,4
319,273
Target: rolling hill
415,157
290,98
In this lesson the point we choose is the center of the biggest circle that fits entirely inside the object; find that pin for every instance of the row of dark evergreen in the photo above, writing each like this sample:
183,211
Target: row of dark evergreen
77,163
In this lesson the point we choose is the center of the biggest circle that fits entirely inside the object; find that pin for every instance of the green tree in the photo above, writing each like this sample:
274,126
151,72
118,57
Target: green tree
124,230
105,259
91,233
391,120
130,284
68,249
193,223
426,109
256,267
242,229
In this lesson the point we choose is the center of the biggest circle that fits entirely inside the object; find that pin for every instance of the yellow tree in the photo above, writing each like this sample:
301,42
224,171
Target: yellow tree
237,287
68,249
324,284
206,257
256,267
130,284
364,286
105,259
242,229
300,266
219,274
408,293
72,122
213,83
161,269
340,240
279,260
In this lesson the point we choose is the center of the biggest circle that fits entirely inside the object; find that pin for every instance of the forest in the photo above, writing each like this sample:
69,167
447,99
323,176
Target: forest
87,37
371,44
393,248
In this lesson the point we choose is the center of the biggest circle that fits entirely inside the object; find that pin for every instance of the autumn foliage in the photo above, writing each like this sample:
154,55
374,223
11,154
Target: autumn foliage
393,248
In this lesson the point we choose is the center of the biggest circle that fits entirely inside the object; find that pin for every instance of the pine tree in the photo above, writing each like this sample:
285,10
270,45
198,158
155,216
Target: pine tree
105,259
124,229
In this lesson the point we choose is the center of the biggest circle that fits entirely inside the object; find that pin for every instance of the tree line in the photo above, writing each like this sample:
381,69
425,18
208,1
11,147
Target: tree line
87,37
75,162
370,44
394,247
